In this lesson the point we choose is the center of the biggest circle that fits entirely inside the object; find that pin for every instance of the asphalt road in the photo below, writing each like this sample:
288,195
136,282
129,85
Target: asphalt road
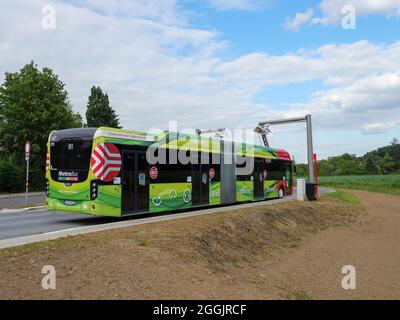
18,200
19,224
27,223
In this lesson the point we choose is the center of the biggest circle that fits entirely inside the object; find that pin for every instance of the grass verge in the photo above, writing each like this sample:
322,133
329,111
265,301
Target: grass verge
344,196
388,184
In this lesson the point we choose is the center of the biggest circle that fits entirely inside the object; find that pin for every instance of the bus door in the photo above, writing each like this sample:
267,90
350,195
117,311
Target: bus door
258,178
135,182
200,182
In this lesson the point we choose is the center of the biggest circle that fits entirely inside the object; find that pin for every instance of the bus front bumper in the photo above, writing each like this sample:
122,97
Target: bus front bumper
71,206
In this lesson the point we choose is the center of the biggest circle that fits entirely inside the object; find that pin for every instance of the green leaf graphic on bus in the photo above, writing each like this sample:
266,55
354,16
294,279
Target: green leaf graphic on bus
244,190
270,188
170,196
215,193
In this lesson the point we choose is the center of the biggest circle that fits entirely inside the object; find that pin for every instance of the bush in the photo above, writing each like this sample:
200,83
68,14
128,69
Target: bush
12,176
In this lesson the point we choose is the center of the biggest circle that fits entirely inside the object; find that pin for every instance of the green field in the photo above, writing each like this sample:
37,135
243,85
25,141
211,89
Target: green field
389,184
344,196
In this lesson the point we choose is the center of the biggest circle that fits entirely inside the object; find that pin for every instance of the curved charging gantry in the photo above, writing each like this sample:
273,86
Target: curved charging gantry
263,130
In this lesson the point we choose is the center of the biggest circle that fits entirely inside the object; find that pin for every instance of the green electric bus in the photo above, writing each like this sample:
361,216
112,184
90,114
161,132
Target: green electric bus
108,172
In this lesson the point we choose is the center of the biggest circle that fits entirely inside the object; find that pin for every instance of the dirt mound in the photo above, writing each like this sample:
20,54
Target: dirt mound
249,234
214,256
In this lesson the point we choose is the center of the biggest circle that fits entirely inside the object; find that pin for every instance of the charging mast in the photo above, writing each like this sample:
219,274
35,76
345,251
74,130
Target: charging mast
263,130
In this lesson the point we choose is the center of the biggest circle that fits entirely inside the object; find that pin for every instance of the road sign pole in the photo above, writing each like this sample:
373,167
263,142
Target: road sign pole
27,154
27,182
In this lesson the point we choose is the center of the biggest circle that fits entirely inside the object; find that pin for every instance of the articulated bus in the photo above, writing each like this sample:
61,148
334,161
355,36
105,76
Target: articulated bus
106,172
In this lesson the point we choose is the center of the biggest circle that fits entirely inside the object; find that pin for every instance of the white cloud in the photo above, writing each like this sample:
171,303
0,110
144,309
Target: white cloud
332,11
238,4
362,82
335,65
378,127
299,20
365,104
153,71
165,11
156,67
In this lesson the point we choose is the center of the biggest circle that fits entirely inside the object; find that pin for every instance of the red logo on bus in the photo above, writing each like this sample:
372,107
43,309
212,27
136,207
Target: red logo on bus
106,161
153,173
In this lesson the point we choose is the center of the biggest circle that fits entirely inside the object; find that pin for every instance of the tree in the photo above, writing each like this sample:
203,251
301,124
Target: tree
11,175
99,113
395,142
33,102
387,164
370,166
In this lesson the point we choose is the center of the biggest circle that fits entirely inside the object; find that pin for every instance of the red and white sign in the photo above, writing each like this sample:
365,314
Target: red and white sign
211,173
106,162
153,173
27,149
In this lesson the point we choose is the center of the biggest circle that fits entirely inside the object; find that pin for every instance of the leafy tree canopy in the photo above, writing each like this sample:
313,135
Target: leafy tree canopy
383,160
33,102
99,113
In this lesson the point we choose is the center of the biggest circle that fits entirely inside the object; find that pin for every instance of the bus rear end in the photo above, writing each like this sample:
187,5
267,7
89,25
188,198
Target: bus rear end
68,171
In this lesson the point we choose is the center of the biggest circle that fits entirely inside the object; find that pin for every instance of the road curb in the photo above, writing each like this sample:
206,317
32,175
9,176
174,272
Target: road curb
18,210
20,195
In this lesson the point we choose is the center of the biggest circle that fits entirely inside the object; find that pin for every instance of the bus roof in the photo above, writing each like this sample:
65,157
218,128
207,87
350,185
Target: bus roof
84,133
172,140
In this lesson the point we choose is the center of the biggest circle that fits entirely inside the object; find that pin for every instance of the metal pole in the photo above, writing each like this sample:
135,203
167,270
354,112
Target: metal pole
310,151
27,181
282,121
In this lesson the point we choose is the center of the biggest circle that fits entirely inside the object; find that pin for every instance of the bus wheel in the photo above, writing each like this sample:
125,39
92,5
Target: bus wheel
280,193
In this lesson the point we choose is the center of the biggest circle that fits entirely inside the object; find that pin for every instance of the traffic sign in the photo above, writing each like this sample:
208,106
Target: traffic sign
212,173
153,173
27,150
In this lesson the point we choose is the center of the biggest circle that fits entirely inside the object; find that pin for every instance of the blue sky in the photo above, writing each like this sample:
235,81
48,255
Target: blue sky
223,63
261,30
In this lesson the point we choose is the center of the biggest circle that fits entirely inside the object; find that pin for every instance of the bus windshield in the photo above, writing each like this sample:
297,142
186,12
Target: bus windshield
71,154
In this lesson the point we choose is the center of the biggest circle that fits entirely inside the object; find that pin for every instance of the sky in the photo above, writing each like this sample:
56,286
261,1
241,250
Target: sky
223,63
